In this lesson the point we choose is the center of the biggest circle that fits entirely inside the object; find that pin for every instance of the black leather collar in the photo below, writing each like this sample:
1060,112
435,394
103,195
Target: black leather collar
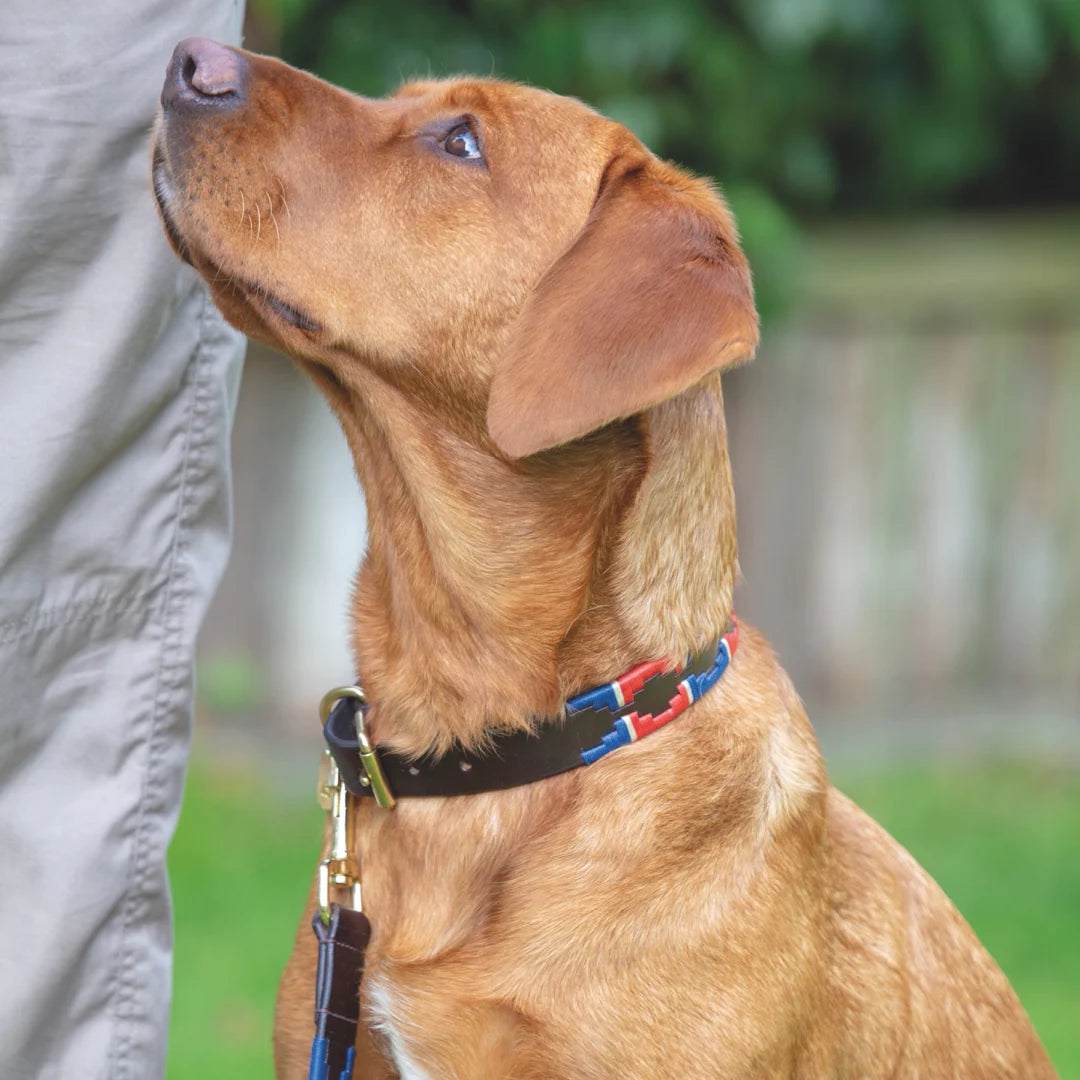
597,722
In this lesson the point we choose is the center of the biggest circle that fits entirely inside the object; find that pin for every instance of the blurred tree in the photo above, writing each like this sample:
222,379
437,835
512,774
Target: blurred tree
799,107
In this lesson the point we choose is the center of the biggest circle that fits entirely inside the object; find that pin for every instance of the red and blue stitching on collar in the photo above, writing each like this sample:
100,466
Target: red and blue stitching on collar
624,691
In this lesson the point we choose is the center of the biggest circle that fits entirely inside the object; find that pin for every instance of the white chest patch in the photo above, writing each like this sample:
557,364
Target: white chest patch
381,1008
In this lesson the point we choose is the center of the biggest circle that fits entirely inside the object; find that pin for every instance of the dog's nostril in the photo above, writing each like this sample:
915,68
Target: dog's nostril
205,73
187,73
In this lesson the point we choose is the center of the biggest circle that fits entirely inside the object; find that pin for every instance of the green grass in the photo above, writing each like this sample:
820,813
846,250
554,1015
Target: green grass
1002,840
240,865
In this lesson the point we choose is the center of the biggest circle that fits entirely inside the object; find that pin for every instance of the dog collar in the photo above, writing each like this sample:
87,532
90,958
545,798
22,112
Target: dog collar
597,722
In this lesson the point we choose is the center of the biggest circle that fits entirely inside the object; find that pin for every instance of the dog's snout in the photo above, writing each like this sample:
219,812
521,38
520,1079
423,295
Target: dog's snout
204,74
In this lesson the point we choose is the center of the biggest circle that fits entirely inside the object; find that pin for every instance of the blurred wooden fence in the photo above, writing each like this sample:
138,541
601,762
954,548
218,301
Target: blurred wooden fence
907,465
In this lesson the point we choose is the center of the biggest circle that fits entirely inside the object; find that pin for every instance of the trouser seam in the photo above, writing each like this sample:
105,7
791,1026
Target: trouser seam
170,674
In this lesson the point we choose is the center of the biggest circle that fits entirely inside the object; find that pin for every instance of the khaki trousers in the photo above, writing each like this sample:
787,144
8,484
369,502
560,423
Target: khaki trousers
117,386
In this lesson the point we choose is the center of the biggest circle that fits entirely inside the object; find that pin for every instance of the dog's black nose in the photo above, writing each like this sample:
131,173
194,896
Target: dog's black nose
204,74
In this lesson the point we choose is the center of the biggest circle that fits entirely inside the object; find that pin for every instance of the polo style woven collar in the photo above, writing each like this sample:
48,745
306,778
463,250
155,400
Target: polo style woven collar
597,723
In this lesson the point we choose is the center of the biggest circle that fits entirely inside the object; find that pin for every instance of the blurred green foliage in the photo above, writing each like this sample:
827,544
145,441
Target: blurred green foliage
230,683
799,107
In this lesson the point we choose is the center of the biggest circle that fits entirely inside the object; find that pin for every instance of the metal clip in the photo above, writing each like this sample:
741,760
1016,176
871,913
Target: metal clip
368,757
338,870
328,780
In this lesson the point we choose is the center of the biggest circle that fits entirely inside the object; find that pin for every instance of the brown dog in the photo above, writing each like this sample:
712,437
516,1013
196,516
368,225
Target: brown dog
520,317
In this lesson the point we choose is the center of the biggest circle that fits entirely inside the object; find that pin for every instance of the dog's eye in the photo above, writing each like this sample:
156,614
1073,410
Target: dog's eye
461,141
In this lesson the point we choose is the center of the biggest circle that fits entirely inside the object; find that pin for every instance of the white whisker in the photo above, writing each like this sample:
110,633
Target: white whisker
283,202
277,231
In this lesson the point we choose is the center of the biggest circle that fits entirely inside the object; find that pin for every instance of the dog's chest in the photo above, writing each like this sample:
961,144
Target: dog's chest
384,1007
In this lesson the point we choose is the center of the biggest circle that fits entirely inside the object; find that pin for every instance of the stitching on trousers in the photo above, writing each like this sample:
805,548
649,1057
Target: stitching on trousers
170,676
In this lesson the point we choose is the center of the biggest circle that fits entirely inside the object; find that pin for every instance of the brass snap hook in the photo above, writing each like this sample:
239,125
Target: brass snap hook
338,870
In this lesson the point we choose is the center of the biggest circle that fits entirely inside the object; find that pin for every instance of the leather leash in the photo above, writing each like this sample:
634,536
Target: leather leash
342,942
343,932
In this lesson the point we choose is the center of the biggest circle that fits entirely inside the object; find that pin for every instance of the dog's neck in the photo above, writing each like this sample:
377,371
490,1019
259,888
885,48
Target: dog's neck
491,591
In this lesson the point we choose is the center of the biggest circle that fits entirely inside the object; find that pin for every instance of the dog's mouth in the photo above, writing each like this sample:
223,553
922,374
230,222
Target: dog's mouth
270,307
293,316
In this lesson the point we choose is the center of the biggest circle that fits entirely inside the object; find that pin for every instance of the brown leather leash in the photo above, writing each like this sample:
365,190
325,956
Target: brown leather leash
342,942
343,932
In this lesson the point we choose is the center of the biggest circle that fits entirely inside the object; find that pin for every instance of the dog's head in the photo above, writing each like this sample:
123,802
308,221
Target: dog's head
538,267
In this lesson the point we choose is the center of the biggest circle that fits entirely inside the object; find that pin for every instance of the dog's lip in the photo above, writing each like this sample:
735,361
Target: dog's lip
293,316
164,195
264,301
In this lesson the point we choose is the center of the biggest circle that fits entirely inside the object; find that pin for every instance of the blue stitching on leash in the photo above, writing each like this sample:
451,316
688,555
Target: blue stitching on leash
320,1050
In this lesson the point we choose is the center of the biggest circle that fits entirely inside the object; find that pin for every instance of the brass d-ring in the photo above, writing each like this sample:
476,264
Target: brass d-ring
368,757
332,697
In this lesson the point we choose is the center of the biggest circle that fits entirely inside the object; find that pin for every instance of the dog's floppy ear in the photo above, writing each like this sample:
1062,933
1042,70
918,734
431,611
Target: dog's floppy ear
653,295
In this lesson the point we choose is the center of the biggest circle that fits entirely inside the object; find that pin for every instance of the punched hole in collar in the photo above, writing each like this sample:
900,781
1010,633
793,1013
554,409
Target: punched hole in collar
464,766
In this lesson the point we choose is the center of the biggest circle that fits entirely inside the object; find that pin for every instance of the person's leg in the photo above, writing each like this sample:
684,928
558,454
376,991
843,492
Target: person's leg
117,382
